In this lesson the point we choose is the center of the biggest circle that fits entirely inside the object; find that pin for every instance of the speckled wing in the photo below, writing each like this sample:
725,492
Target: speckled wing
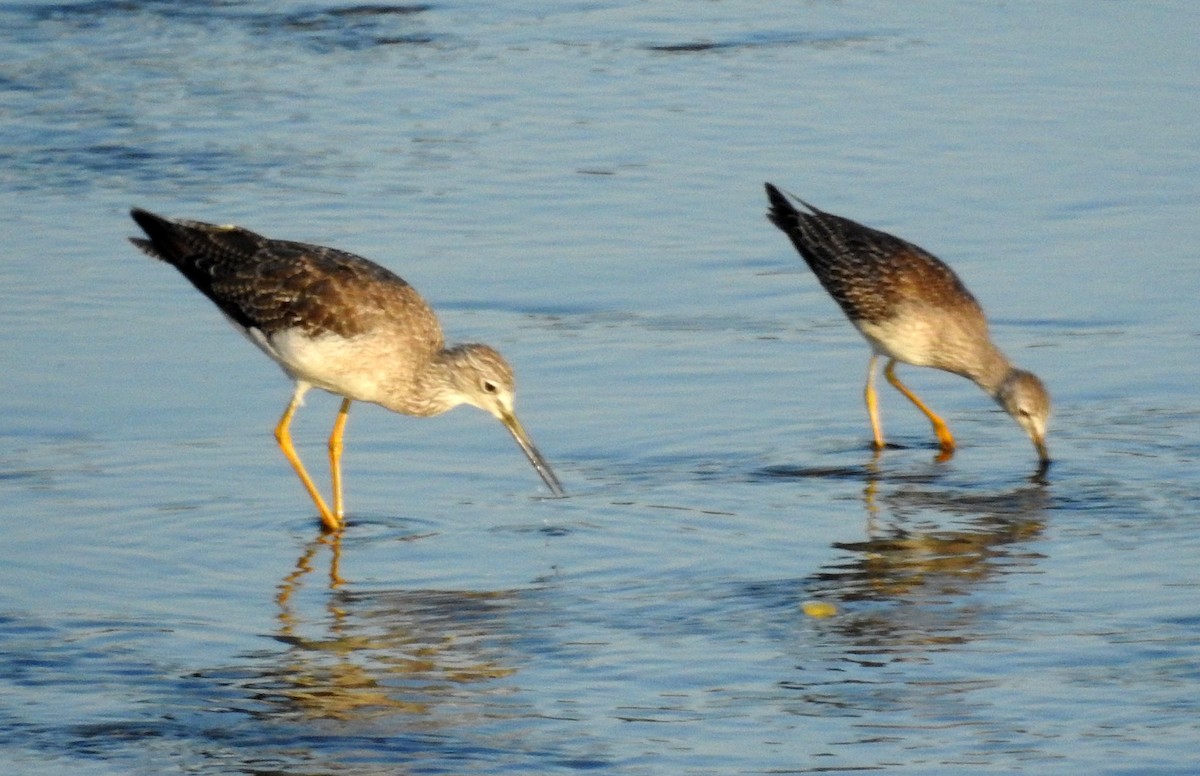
871,274
276,285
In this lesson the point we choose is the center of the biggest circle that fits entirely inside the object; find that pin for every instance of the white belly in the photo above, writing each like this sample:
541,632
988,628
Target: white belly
906,339
331,362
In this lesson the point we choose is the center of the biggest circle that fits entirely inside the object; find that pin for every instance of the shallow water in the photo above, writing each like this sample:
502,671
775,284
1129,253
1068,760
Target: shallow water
579,184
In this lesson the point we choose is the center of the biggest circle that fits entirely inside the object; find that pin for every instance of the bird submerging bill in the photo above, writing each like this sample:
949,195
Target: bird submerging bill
336,321
910,307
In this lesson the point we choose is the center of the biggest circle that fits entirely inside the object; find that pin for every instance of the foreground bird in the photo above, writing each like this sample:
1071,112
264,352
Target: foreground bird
911,307
339,322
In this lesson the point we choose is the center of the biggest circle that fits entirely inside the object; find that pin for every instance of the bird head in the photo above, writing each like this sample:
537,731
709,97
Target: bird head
1023,396
480,376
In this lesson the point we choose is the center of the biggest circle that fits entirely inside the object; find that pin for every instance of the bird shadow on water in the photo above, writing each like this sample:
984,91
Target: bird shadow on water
873,470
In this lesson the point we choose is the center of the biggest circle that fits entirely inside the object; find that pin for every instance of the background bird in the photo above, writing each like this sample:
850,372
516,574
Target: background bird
910,307
336,321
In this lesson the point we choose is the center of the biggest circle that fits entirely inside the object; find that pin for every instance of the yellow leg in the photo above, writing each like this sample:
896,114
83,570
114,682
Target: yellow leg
945,439
335,459
873,404
284,438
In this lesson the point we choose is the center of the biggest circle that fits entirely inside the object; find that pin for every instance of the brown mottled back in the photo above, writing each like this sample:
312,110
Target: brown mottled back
871,274
273,285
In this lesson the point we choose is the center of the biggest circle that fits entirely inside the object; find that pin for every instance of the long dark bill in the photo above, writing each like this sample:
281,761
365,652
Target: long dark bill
531,452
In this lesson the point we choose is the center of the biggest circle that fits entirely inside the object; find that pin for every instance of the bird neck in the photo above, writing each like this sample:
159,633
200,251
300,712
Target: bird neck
434,391
992,369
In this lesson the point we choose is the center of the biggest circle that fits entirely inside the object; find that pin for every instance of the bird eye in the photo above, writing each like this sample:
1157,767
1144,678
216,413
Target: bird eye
489,387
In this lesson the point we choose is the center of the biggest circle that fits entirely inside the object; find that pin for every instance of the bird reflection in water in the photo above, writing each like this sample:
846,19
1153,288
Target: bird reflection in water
898,556
374,654
926,549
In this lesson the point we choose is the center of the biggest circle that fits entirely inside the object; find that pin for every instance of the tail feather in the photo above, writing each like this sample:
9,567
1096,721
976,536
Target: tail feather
783,213
145,246
165,241
184,243
822,239
216,259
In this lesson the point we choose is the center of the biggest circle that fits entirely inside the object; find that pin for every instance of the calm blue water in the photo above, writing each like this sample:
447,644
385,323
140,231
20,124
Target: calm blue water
579,184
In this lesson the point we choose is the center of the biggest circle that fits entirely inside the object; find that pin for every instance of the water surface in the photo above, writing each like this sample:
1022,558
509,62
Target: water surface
579,184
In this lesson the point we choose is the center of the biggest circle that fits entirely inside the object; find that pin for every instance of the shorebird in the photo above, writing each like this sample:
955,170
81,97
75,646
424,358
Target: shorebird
910,307
339,322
